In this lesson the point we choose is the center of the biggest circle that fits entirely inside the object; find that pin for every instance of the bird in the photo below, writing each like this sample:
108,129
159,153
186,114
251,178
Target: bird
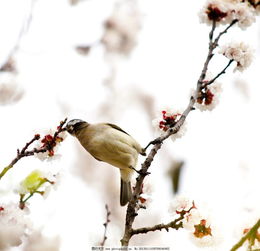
109,143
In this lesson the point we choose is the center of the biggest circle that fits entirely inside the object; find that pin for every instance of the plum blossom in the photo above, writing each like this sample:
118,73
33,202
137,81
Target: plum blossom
145,197
197,222
239,52
244,14
37,242
225,11
121,29
10,91
14,226
167,119
215,10
208,98
47,140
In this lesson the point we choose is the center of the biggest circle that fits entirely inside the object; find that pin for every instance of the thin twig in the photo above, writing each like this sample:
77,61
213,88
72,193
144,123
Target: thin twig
206,83
215,43
108,213
250,233
25,152
176,224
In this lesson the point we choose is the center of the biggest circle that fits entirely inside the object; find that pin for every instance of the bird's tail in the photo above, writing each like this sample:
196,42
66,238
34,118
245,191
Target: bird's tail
125,192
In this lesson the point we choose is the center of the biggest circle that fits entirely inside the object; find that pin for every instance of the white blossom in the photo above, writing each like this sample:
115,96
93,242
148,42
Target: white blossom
179,204
38,242
121,29
225,11
14,225
223,8
145,197
215,90
10,91
206,241
244,14
239,52
45,156
197,221
167,118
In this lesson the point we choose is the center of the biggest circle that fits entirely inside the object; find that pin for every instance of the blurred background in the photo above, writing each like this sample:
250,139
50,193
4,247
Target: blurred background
123,62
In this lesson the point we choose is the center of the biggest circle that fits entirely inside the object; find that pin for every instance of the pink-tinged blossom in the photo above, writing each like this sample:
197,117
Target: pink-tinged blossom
180,203
38,242
208,99
51,154
197,222
14,225
244,14
225,11
216,10
121,29
239,52
145,197
10,91
166,119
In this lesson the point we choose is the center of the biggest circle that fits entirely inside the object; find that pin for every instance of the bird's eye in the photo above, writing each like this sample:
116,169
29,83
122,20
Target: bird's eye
70,128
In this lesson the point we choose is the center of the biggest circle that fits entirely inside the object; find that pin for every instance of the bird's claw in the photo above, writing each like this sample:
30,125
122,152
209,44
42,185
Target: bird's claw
153,142
141,171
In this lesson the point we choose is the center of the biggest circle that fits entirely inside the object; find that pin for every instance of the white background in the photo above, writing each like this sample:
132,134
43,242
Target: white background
220,148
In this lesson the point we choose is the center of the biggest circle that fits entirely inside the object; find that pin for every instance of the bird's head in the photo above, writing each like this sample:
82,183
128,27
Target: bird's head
74,125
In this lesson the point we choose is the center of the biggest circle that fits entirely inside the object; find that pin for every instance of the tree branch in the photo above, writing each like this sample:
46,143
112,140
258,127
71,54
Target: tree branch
25,152
131,208
251,233
176,224
108,213
218,75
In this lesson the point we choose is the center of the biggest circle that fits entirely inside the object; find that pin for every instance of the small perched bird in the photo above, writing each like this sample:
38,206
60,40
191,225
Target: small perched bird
109,143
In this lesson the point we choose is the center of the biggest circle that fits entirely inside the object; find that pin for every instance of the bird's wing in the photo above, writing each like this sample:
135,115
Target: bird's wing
117,128
135,145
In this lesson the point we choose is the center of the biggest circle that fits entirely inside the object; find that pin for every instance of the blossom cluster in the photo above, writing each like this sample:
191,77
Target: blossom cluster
38,242
121,29
240,52
10,91
14,226
167,119
50,142
226,11
208,97
145,197
197,223
16,229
